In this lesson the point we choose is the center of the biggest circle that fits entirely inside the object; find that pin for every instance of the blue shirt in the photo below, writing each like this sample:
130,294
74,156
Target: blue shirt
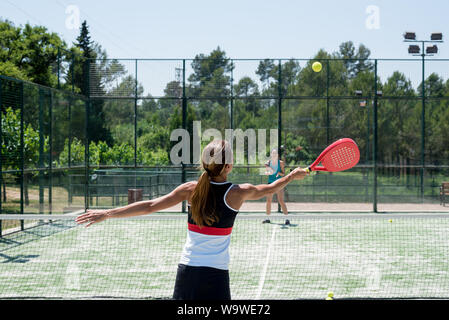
276,169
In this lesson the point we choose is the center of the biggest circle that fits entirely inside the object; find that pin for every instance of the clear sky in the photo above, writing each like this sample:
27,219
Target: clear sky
243,28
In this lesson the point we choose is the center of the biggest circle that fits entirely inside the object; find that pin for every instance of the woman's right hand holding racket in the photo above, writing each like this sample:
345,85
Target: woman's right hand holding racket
299,173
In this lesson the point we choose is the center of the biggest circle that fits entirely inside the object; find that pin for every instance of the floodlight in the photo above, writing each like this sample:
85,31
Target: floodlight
409,36
413,49
432,50
437,36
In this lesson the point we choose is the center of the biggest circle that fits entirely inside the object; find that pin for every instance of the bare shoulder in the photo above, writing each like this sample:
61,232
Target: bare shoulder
236,195
243,187
189,186
240,190
186,189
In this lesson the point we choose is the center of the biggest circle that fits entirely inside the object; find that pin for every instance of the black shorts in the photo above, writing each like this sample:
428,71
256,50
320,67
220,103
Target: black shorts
201,283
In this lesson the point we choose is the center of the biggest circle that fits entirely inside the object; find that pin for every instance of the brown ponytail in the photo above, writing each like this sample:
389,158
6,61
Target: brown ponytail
215,156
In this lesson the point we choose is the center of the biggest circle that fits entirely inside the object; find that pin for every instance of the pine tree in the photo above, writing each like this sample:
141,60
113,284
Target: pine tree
86,73
84,42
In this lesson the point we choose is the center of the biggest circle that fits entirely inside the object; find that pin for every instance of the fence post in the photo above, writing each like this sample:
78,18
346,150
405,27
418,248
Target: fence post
1,155
70,131
41,151
327,103
327,119
73,72
50,180
59,67
423,124
375,139
22,156
279,117
232,98
135,122
86,132
184,122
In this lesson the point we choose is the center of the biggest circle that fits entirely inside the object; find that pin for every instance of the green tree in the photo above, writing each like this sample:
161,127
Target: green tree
435,109
246,87
11,148
211,76
289,75
248,107
265,71
29,53
396,133
90,70
356,60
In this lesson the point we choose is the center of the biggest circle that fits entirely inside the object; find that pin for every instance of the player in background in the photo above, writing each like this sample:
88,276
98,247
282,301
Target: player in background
275,169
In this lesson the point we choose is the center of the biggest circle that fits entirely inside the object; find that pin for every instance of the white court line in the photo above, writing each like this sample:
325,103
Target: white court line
265,267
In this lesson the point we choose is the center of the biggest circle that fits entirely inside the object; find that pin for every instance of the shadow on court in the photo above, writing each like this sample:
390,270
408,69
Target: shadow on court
17,259
283,225
34,233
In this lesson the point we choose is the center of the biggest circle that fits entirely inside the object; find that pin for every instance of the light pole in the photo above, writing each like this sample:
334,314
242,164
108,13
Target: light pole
417,51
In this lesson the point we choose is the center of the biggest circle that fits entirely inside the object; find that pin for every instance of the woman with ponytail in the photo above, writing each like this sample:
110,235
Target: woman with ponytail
213,205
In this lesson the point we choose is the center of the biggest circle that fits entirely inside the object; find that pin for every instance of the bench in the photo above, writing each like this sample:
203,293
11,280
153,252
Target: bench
444,191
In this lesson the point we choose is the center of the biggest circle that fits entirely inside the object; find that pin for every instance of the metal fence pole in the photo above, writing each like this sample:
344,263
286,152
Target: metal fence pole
327,103
59,67
184,121
41,151
232,99
327,119
279,117
69,116
366,171
423,124
86,130
135,121
50,168
22,155
375,139
1,154
73,72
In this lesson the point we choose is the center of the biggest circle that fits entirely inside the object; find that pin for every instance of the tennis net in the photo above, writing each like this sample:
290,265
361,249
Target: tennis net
352,255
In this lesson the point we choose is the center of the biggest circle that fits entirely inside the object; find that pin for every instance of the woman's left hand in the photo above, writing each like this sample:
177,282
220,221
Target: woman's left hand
92,216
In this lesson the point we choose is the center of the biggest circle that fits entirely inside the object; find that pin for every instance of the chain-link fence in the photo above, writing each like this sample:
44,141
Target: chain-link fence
396,110
40,162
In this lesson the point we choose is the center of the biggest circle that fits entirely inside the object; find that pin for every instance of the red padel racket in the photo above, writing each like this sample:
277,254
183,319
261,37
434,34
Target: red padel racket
341,155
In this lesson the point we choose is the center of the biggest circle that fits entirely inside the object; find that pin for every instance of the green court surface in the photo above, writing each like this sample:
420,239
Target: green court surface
352,255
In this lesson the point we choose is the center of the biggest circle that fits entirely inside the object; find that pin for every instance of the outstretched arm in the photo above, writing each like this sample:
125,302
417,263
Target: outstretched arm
255,192
178,195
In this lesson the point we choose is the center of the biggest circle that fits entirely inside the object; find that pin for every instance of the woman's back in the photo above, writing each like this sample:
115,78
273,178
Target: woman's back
208,245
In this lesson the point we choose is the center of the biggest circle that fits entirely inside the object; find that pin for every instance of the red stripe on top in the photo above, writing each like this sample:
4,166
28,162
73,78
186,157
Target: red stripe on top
212,231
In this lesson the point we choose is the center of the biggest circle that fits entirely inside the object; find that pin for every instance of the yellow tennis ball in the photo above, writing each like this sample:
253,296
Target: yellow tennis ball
330,294
390,220
316,66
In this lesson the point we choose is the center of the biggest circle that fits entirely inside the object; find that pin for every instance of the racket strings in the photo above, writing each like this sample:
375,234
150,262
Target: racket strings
343,157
